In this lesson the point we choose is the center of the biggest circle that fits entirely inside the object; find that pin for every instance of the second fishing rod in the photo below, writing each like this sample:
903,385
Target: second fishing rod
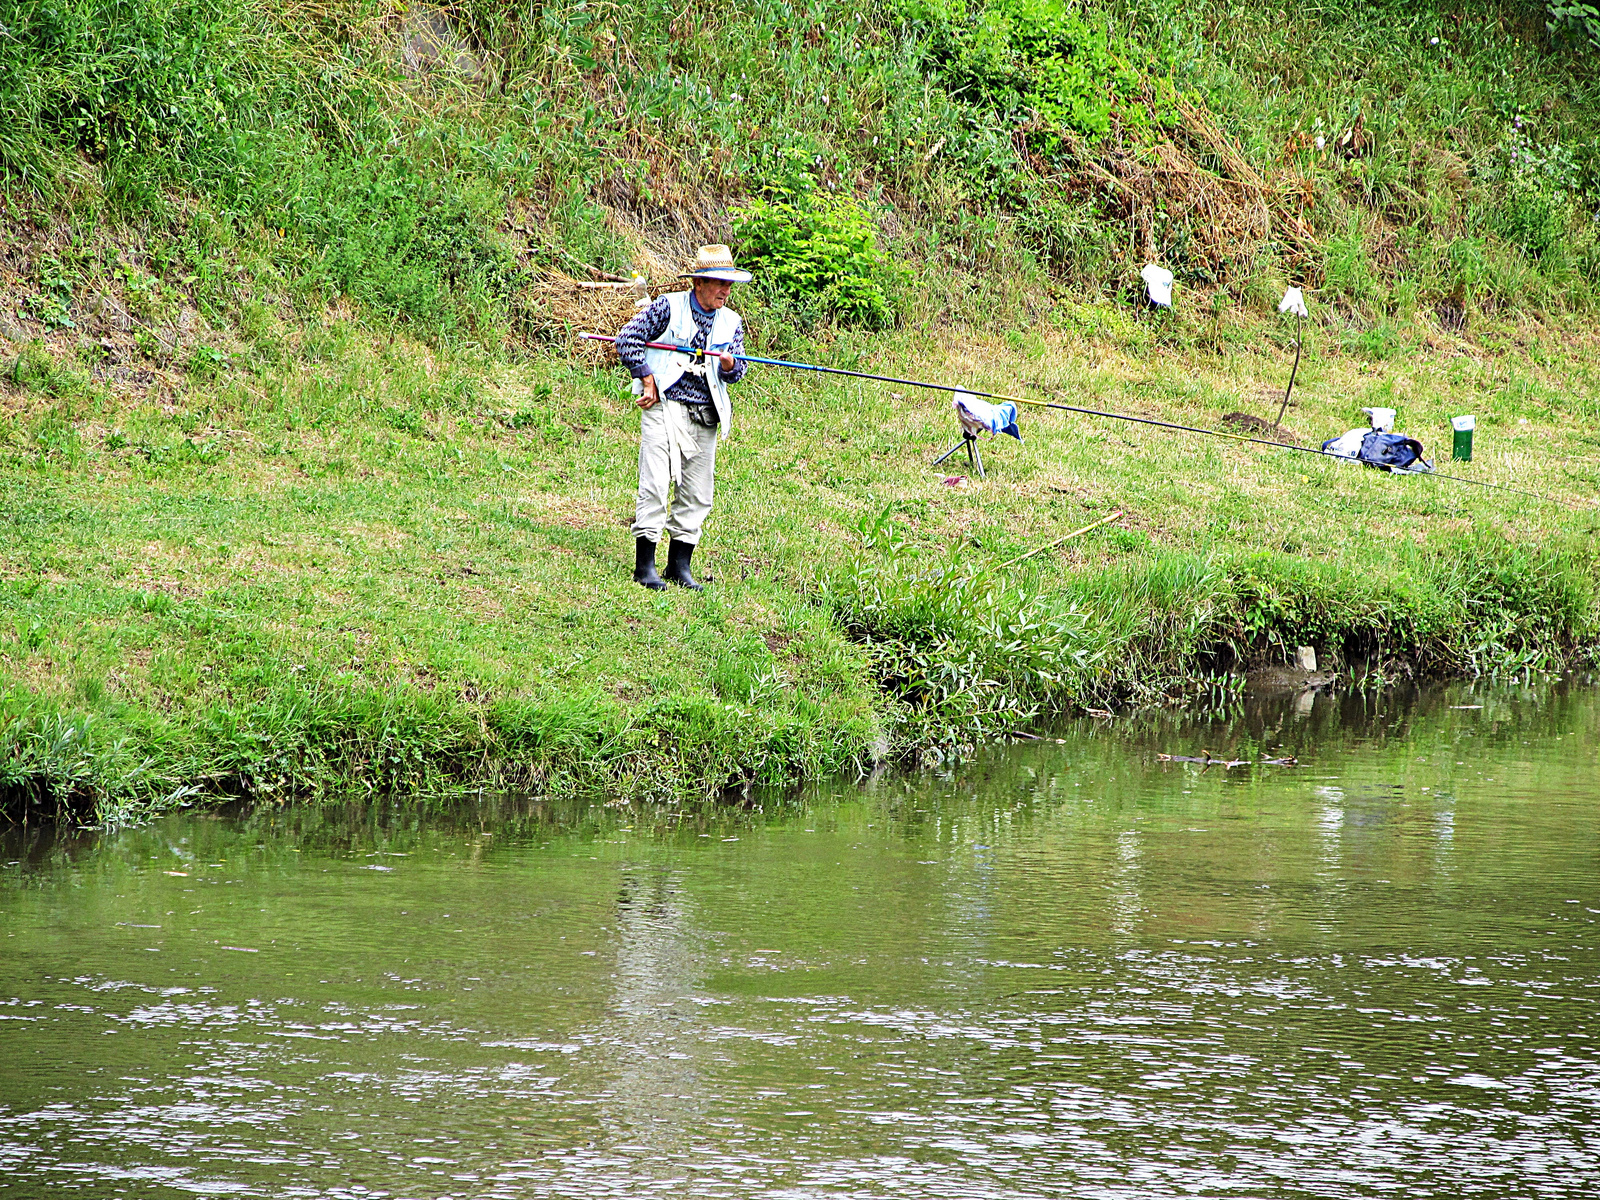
698,353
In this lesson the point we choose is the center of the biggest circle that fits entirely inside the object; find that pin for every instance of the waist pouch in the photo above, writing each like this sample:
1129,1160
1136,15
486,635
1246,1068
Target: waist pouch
704,415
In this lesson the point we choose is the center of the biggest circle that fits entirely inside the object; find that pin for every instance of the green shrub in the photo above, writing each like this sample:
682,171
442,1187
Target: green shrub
51,305
1021,58
1577,20
968,652
821,250
1540,191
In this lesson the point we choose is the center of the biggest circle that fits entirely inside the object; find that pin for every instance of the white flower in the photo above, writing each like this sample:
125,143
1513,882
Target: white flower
1294,301
1322,142
1433,41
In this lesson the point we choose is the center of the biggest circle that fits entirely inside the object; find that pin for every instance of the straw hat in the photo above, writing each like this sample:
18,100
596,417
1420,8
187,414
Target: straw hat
716,262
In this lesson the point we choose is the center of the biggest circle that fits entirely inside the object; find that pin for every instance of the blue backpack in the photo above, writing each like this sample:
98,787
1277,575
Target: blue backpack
1387,451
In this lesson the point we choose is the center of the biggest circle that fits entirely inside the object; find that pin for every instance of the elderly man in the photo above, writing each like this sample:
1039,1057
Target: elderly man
685,401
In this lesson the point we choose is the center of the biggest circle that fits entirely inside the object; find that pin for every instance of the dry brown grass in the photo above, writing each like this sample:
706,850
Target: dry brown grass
1200,183
553,312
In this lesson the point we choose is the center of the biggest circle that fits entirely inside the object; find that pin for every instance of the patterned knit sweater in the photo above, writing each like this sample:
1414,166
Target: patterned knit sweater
650,323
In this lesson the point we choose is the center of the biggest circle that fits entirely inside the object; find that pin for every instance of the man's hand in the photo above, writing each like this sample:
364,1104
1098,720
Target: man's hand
725,359
649,397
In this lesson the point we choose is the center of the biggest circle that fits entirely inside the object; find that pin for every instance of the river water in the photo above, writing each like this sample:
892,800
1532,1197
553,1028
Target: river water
1070,969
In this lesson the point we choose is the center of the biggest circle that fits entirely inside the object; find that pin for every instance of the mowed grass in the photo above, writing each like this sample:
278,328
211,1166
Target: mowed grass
385,565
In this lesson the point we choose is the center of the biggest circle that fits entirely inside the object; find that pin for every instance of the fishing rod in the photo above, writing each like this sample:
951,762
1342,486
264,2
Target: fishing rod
699,353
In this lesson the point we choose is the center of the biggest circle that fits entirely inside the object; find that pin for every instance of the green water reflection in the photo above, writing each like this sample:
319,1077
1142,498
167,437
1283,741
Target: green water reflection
1069,970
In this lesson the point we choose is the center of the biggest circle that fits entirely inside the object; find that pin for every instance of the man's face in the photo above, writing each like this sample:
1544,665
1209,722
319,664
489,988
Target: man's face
712,293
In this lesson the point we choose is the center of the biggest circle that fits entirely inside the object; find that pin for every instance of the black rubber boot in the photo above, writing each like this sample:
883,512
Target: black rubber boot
644,565
678,555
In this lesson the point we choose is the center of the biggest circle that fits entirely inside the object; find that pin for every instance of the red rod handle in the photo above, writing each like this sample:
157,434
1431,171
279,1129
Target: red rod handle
601,337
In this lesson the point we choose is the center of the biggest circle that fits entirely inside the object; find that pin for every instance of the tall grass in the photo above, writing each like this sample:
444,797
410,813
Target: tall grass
284,123
1458,150
962,652
301,740
970,650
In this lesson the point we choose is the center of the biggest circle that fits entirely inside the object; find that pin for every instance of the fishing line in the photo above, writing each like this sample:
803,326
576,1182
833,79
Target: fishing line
696,352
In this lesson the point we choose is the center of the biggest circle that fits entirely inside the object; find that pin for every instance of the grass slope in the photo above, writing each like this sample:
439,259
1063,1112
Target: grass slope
390,564
303,490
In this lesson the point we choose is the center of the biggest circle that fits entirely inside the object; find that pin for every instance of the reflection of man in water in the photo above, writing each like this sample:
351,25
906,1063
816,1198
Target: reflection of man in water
654,1033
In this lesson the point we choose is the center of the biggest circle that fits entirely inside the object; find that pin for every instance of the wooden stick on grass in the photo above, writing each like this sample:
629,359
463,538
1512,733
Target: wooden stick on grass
1065,538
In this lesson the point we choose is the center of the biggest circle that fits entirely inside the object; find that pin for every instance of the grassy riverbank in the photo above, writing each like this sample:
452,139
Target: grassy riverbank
302,489
377,565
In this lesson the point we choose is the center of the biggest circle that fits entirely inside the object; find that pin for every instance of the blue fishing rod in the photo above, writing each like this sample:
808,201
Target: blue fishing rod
699,354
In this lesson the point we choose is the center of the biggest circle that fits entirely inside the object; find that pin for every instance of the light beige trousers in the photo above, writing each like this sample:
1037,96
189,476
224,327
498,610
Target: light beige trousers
677,462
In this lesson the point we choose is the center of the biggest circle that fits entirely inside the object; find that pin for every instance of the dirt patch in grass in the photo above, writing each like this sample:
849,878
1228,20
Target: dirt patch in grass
574,512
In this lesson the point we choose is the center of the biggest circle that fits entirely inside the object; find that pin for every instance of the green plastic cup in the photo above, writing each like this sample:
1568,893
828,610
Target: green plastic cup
1461,451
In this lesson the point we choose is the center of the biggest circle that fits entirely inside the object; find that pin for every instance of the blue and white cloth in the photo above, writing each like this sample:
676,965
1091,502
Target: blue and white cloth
1379,448
979,416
